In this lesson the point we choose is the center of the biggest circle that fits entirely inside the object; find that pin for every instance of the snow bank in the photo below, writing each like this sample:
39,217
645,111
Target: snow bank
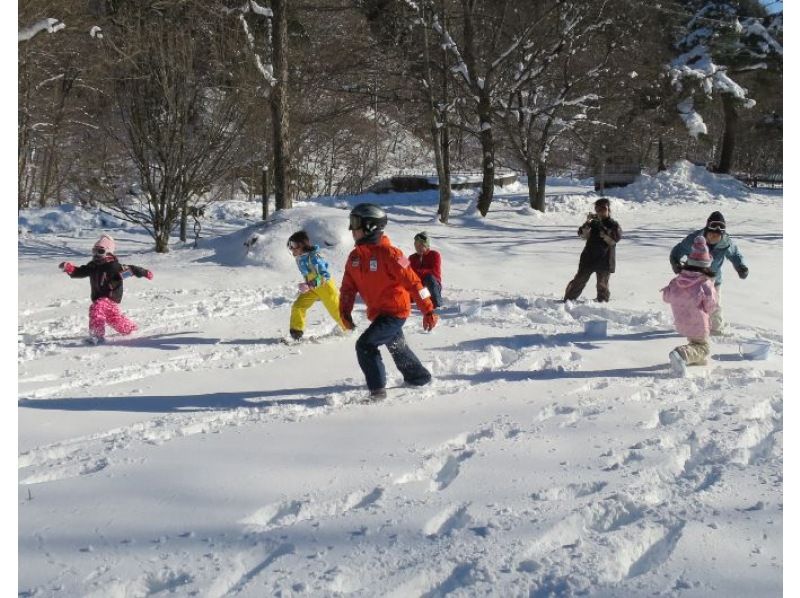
68,218
683,181
235,212
264,244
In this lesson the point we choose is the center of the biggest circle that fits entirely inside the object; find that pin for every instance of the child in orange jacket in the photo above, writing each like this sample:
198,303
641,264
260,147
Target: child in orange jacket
381,274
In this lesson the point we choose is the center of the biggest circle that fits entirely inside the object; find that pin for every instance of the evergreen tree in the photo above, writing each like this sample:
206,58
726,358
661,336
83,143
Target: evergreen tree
722,43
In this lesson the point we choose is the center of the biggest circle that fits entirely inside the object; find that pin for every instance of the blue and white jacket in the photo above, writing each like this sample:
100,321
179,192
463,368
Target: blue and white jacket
726,248
313,267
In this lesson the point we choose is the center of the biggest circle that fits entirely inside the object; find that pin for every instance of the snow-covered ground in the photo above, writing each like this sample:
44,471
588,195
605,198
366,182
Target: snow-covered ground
203,457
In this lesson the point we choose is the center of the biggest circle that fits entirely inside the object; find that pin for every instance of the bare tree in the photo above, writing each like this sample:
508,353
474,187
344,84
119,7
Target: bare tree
275,69
554,86
50,72
438,104
177,119
491,35
279,104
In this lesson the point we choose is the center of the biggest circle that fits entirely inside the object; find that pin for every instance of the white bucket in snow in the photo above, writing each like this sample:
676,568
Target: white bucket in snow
595,329
755,350
470,308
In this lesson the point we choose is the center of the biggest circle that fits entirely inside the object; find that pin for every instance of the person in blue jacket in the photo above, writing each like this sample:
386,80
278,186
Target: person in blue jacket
721,246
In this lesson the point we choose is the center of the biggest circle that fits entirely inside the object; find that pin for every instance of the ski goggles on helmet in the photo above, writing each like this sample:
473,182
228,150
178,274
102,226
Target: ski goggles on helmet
715,227
356,222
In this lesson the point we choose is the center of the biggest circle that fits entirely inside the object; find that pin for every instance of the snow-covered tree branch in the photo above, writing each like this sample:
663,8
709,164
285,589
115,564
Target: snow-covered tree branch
50,25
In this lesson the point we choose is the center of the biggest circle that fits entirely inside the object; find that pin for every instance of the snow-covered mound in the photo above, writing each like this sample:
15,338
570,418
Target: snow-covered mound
67,218
239,212
683,181
264,244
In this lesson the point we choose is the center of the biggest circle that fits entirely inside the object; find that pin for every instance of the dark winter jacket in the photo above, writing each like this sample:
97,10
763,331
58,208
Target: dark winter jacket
601,236
106,276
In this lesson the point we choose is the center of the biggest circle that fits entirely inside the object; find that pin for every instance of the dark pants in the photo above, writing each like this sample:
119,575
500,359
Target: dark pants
575,286
386,330
435,289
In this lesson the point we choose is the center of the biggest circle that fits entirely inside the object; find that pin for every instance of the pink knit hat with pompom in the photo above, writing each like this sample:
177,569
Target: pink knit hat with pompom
699,256
107,243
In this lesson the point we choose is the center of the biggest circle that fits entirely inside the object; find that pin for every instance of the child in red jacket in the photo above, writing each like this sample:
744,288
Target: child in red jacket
105,276
427,264
381,274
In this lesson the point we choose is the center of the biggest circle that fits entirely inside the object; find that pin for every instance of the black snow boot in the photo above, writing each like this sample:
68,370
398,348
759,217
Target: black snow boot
377,395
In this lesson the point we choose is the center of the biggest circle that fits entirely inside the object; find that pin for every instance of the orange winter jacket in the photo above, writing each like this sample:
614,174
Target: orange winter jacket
381,274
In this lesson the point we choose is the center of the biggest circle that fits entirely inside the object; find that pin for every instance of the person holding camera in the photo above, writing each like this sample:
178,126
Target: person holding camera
722,247
602,233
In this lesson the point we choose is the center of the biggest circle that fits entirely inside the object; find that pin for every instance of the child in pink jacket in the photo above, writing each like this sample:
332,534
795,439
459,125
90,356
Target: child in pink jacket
693,299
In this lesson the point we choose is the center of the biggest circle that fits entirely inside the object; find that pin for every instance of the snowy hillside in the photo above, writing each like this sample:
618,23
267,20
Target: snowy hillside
204,457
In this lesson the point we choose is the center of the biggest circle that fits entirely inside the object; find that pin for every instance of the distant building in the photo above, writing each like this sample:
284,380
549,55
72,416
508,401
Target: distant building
410,183
616,173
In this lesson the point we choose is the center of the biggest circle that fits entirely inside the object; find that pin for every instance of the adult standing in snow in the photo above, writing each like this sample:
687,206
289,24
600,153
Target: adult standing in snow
721,246
382,275
427,264
602,233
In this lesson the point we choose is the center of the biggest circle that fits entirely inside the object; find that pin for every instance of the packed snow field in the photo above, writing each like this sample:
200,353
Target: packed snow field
204,456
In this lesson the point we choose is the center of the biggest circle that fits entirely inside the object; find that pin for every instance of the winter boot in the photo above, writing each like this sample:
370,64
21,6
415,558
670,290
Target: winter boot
377,395
677,363
295,334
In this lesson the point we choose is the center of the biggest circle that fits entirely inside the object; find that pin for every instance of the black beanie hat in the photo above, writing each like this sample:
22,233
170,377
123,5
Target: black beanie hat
716,221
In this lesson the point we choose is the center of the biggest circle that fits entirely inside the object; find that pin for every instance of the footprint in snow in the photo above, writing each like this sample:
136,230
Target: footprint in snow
445,522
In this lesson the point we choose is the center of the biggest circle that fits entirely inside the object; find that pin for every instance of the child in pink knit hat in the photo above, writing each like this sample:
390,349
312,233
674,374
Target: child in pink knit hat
693,299
105,276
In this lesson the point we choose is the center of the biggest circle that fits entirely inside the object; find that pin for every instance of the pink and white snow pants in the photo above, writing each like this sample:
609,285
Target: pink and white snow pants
105,311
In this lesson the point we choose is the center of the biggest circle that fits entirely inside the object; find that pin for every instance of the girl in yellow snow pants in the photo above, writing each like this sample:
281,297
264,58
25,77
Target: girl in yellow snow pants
317,285
327,293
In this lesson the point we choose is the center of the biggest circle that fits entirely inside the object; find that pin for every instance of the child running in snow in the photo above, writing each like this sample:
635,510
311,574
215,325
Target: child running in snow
105,276
317,284
693,299
382,275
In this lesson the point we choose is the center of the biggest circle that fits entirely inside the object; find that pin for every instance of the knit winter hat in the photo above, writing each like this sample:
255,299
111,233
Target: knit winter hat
107,243
699,256
716,222
423,238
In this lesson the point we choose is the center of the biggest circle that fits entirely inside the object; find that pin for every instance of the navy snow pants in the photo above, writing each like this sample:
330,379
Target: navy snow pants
388,330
